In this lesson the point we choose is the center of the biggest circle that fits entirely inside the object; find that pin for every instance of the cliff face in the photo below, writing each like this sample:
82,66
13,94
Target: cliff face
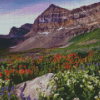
56,26
55,17
18,32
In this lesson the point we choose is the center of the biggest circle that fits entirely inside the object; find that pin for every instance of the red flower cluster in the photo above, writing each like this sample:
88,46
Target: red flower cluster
0,75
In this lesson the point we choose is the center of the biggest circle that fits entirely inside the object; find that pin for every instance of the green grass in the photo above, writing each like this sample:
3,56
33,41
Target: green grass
95,34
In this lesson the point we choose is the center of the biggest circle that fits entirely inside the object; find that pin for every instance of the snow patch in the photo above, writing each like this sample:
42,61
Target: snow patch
13,47
60,28
44,33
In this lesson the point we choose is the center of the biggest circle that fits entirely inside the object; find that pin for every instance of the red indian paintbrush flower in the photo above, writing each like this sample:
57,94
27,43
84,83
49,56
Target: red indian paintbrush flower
0,74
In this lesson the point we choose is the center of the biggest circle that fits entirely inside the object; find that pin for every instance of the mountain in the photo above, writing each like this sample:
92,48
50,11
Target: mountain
18,32
49,20
15,36
56,26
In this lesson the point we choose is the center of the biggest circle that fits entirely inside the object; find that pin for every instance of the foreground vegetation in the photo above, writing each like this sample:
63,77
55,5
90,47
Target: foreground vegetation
78,73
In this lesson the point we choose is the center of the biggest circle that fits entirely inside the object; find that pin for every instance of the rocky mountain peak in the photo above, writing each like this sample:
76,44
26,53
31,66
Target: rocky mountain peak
52,6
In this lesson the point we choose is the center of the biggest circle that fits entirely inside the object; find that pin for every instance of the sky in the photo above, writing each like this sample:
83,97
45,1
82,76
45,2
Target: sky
18,12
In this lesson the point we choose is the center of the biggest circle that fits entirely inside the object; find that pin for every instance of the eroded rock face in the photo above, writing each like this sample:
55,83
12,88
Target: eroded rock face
30,86
54,17
18,32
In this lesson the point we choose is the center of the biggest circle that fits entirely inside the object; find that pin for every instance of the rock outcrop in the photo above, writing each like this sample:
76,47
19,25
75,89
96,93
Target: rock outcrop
31,86
21,31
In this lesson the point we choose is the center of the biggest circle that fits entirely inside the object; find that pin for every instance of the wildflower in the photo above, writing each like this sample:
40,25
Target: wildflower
88,64
83,80
61,99
21,88
34,99
81,85
56,78
9,95
24,66
96,97
12,88
68,82
7,88
21,95
0,74
96,64
90,86
1,94
29,98
2,89
20,66
96,74
76,98
82,66
55,95
86,76
6,71
8,74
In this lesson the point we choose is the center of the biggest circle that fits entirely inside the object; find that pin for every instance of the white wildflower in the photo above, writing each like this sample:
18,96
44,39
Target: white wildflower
68,72
89,82
76,98
62,74
86,76
96,81
56,78
90,86
81,85
55,95
96,97
74,81
45,95
99,94
68,82
61,99
73,91
83,80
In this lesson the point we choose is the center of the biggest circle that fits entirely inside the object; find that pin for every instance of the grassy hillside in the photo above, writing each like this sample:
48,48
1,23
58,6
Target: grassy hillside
87,36
81,39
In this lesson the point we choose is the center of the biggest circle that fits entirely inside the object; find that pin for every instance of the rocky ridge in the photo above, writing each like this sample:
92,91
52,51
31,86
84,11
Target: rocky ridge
21,31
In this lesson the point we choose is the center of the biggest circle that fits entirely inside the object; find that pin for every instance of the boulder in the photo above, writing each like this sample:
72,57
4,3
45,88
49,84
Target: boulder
30,87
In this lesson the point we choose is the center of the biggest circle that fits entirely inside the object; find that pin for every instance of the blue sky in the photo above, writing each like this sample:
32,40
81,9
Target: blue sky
18,12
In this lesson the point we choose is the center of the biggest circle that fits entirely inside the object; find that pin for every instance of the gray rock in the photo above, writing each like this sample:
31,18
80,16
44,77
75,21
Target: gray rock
31,86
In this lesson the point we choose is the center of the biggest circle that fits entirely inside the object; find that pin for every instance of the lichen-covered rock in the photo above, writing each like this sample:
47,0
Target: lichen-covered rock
30,87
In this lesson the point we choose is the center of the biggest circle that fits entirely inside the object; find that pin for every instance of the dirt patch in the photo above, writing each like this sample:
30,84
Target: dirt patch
67,45
88,42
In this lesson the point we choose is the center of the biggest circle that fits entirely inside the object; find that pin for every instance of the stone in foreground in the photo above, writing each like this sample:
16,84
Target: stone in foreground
31,86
